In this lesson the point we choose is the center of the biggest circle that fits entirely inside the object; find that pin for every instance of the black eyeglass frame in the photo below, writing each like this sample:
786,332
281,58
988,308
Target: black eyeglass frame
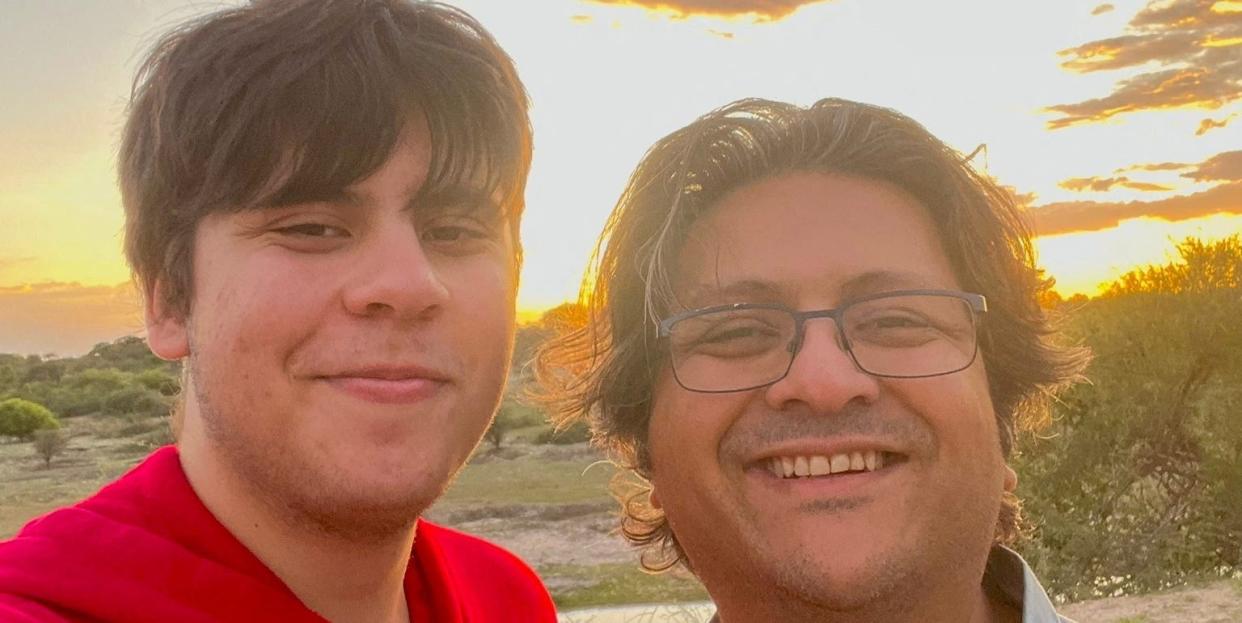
977,302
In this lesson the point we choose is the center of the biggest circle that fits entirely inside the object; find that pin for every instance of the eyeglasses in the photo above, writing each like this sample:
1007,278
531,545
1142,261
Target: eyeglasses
899,334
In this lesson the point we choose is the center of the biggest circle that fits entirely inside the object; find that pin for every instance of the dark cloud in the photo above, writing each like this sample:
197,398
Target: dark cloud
65,318
1103,8
1071,216
1102,184
1223,167
760,10
1194,47
1211,124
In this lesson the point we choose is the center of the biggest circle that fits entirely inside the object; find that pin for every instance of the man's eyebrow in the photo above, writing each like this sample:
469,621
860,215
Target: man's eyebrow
455,199
704,294
744,291
874,282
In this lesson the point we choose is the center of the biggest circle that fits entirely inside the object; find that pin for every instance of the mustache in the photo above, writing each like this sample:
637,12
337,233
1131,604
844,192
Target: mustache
855,420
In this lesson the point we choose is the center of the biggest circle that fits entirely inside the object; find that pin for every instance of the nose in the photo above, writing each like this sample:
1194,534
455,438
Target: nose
822,377
395,276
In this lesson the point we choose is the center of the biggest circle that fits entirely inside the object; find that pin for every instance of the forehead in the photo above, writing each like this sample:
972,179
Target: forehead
807,233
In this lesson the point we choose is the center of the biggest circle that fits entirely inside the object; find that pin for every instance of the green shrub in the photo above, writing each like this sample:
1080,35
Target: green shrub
158,380
21,418
72,402
513,414
1135,485
135,400
48,443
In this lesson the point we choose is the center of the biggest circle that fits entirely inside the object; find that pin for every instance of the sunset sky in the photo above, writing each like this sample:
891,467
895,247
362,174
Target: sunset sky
1118,123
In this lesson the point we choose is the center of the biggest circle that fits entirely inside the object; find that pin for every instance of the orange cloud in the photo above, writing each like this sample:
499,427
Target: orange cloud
1211,124
581,19
1021,198
1158,166
1223,167
1146,187
1071,216
758,10
65,318
1194,46
1102,184
1103,8
720,33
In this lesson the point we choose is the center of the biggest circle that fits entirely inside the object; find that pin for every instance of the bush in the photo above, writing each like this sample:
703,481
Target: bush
160,381
71,402
135,400
48,443
1135,487
513,414
21,418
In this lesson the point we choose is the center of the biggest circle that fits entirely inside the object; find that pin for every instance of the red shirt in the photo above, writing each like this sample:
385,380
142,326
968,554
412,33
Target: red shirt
144,548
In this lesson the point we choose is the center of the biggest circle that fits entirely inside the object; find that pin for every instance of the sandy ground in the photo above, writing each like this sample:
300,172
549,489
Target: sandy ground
1220,602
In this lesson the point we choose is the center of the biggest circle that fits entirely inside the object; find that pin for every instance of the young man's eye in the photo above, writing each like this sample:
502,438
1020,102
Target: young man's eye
313,230
451,233
456,232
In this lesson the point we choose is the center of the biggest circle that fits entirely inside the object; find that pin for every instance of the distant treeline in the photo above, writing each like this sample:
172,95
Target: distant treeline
119,378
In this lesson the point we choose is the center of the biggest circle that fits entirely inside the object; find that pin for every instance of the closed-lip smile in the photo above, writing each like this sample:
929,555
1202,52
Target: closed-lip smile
388,384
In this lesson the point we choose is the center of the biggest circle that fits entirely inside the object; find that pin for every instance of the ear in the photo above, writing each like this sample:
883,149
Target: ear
655,499
166,331
1011,479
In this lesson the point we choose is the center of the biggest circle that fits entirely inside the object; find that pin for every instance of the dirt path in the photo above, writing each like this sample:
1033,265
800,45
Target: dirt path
1220,602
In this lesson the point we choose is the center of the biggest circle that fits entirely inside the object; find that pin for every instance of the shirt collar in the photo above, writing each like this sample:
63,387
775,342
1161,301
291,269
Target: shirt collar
1013,579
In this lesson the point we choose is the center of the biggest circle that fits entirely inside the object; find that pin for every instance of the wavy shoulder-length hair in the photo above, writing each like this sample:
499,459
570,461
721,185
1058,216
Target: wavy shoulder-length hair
604,372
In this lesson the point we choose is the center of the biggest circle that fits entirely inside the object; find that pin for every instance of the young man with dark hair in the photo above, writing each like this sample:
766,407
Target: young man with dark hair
814,332
322,201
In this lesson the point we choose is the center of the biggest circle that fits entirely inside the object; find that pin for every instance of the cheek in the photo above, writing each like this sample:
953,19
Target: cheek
483,308
959,410
686,428
668,399
256,309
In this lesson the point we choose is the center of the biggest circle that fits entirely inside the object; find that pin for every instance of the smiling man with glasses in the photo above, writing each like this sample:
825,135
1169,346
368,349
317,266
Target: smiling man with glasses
814,332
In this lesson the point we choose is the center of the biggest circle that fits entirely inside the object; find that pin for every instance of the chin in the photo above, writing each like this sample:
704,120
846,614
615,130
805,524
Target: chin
833,575
366,513
839,589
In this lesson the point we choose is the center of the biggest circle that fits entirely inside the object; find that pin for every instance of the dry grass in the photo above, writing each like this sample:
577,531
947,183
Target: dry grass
92,458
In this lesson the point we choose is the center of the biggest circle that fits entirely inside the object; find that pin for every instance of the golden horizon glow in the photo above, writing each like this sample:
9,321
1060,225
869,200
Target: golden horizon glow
1227,6
1222,43
1085,262
605,85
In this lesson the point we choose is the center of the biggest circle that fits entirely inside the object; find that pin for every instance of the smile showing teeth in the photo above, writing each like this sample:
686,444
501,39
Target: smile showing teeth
821,465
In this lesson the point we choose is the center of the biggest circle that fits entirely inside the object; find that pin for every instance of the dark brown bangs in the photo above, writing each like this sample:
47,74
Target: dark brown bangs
348,97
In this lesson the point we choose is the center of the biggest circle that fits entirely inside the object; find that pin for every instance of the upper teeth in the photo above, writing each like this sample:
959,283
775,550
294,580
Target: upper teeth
822,465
